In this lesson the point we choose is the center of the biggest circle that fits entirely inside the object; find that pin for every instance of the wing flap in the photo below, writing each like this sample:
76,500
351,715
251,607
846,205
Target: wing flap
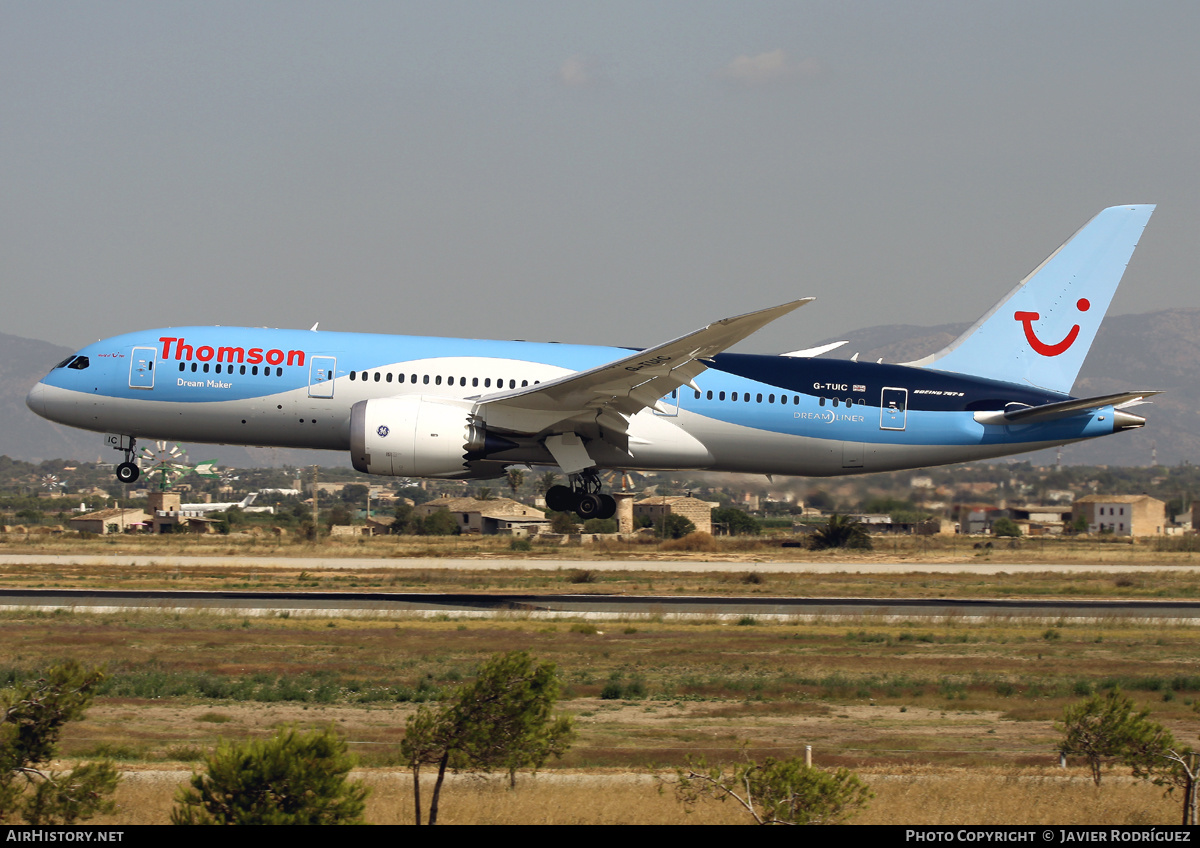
625,386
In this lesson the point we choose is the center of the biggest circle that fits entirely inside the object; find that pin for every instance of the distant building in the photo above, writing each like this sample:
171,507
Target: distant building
1122,515
110,521
1044,520
693,509
167,515
488,517
882,524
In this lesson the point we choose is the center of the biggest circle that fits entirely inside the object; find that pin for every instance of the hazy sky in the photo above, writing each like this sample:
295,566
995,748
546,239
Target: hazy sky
603,172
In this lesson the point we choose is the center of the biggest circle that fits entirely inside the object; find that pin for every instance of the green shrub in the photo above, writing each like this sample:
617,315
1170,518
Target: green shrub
291,778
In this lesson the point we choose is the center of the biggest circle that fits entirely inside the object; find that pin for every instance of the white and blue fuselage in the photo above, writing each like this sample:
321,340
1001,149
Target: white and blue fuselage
746,413
460,408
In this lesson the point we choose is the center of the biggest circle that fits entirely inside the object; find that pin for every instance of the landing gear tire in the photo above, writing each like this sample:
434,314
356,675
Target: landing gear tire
127,472
590,506
608,506
560,499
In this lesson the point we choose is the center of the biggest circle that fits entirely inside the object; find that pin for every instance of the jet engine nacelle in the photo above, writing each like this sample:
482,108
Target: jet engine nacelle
416,436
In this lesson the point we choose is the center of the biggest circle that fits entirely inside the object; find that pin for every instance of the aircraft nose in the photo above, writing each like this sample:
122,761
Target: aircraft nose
36,399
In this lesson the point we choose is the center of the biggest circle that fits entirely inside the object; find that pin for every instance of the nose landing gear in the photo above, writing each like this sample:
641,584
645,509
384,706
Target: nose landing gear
583,497
127,471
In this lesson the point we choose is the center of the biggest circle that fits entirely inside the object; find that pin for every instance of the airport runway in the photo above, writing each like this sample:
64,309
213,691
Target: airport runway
540,564
589,605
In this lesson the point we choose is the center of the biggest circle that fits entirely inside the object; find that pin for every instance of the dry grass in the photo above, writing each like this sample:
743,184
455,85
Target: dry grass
924,709
915,796
767,548
743,577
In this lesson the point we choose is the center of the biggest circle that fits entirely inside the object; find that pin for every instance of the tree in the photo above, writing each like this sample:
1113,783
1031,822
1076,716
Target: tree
515,478
403,515
440,523
546,482
33,718
673,526
562,522
291,778
1161,760
820,499
1005,527
777,791
1106,728
736,522
841,531
500,721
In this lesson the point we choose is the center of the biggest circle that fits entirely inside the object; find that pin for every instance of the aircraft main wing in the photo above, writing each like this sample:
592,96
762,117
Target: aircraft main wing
598,402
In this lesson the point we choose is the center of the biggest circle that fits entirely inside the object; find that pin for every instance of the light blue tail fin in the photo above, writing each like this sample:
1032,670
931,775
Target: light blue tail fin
1041,331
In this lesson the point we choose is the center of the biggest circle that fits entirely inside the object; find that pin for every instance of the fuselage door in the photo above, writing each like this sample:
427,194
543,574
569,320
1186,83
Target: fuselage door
321,371
141,368
893,409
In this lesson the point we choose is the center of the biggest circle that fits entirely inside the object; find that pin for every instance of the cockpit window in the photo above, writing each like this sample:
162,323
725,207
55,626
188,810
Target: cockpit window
65,362
80,363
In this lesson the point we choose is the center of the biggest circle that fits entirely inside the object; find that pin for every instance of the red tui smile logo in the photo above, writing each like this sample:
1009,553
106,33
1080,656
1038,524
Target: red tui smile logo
1027,319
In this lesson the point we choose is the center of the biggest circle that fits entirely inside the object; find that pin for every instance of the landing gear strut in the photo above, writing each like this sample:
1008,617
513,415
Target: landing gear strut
127,471
583,497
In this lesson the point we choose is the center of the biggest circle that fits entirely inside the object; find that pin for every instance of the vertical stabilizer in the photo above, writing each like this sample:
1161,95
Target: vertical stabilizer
1041,331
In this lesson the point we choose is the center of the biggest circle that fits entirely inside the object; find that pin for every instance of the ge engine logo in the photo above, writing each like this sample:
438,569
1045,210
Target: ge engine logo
382,431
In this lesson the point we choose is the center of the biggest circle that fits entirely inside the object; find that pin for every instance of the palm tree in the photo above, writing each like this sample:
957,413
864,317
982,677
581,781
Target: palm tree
546,482
515,478
842,531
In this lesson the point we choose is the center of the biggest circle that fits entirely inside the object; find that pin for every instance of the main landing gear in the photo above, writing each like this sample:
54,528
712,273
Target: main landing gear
127,471
583,497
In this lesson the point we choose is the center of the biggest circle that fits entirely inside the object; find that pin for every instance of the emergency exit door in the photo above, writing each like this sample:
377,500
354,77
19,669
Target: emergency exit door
893,409
321,371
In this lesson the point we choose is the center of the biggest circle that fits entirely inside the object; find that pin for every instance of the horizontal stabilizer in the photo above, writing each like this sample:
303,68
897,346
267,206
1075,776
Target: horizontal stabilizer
810,352
1022,414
